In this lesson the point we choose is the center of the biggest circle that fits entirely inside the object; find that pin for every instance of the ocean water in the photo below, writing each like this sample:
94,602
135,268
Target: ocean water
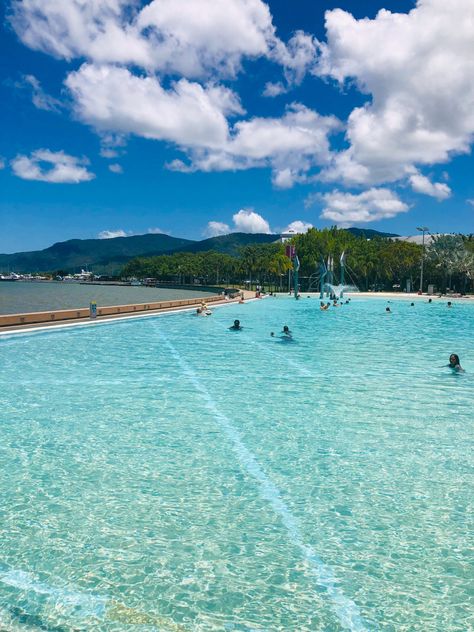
21,297
168,474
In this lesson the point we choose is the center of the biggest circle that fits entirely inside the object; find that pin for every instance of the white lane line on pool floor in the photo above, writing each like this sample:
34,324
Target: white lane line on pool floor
345,609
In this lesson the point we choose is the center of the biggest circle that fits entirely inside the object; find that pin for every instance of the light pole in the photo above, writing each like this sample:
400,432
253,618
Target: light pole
423,230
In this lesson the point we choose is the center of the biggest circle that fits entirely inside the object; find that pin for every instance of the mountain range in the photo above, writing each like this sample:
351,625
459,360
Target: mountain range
109,255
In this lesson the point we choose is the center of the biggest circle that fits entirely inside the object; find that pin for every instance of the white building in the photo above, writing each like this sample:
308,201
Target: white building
287,235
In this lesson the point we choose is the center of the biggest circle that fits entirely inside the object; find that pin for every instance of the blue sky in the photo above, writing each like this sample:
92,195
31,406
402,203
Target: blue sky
198,117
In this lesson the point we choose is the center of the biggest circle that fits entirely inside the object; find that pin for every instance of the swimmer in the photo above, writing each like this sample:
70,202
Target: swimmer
322,306
412,304
236,326
388,310
455,364
449,304
286,332
430,300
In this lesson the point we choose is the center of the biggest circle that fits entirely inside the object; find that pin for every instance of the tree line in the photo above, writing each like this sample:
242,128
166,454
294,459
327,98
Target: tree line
377,263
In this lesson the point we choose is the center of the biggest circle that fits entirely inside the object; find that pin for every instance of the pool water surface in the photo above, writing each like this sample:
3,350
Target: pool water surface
167,473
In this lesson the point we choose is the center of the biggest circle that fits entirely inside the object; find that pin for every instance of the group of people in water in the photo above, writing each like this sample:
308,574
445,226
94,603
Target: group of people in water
335,303
286,334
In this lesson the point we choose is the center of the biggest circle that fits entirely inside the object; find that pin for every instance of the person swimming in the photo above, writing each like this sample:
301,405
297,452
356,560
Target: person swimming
412,304
322,306
449,304
236,326
455,364
388,310
430,300
286,332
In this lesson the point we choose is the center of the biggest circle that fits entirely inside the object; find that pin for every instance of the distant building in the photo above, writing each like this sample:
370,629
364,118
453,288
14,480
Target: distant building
287,235
418,239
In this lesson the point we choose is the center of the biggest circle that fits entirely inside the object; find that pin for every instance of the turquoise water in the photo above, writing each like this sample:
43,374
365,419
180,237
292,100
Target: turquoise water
169,474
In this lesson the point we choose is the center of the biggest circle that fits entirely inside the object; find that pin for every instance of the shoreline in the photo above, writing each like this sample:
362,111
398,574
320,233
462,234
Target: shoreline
13,330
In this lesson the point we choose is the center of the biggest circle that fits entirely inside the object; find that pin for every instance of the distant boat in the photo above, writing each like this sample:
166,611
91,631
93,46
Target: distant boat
135,282
10,277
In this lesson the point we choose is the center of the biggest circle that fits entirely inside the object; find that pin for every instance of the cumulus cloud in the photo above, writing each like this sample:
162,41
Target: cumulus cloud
116,168
214,229
368,206
470,201
194,118
298,226
421,82
49,166
41,99
112,234
192,38
244,221
291,146
422,184
2,163
247,221
113,99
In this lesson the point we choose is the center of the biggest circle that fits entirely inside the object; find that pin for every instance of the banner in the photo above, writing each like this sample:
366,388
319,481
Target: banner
290,251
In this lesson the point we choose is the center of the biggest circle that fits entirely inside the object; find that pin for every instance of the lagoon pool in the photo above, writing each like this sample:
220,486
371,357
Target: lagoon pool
168,474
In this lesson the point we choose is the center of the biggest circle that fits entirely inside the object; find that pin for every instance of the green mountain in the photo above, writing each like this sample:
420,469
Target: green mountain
228,244
110,255
369,233
99,255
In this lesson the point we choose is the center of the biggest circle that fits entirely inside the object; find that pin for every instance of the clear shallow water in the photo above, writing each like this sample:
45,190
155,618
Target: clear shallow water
20,297
168,474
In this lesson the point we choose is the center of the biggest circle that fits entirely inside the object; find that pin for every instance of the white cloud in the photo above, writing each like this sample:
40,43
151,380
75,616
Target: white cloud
214,229
40,98
298,226
297,57
419,69
116,168
422,184
48,166
113,99
248,221
195,119
244,221
291,146
274,89
112,234
2,163
192,38
470,201
157,231
105,152
373,204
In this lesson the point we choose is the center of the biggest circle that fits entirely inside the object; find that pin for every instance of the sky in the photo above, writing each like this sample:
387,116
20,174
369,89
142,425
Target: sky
201,117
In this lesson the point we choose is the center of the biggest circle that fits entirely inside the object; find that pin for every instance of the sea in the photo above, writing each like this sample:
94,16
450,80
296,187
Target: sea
20,297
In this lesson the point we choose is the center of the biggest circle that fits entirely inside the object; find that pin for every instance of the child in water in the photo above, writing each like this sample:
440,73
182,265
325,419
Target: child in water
455,364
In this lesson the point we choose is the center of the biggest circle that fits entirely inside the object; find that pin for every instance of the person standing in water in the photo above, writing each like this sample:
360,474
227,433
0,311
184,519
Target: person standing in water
236,326
455,364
